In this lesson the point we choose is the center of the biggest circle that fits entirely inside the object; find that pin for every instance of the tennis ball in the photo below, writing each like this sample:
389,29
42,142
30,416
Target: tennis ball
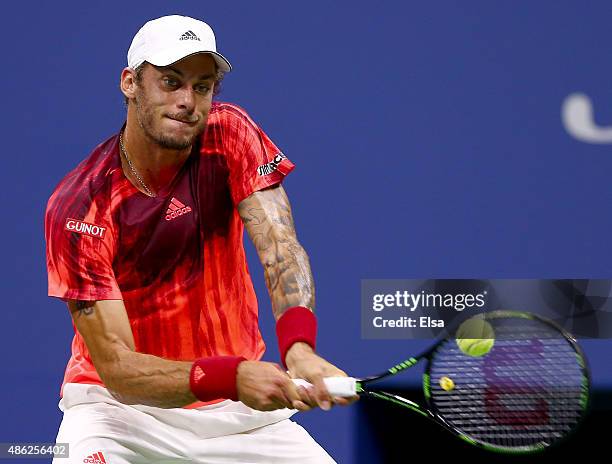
447,383
475,336
475,347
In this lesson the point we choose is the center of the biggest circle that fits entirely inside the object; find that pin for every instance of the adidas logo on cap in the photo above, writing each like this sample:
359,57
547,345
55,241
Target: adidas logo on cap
189,35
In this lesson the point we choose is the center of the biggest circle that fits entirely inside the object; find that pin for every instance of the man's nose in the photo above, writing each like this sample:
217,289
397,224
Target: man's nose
186,99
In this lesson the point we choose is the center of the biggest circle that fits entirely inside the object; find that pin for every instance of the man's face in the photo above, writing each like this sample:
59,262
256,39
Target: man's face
172,102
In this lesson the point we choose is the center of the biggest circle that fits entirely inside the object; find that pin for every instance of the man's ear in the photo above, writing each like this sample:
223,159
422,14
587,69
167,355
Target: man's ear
128,83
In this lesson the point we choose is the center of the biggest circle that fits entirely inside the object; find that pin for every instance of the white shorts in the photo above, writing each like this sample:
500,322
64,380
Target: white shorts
101,430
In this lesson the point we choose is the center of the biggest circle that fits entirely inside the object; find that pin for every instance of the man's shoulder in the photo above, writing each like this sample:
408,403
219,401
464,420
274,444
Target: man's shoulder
82,185
228,126
228,113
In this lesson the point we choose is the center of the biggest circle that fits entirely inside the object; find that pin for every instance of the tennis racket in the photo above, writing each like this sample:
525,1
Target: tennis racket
530,391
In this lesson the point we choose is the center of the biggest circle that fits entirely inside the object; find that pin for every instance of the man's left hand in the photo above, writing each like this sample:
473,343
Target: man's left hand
304,363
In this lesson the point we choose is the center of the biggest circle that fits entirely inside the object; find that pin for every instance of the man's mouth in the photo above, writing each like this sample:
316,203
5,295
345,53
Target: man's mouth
188,121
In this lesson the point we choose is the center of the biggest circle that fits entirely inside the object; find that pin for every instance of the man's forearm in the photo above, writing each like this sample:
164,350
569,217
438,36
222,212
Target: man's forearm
138,378
268,219
289,278
131,377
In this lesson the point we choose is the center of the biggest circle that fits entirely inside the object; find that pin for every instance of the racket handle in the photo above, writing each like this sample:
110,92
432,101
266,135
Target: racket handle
336,386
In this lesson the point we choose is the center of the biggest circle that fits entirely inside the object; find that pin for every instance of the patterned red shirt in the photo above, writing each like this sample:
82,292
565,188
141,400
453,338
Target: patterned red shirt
176,260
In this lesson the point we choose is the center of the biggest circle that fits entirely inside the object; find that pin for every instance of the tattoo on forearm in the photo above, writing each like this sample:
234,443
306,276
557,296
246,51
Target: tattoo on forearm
84,308
289,278
286,266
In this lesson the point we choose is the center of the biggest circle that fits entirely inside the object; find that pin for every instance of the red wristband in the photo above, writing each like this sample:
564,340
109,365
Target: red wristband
297,324
215,377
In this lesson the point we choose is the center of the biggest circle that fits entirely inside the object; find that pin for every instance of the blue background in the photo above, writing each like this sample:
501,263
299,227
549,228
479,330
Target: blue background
427,136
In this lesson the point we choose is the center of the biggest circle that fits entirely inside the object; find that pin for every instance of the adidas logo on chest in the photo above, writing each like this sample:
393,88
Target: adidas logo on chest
176,209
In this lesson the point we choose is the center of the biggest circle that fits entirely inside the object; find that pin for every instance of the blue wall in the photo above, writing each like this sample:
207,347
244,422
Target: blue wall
428,137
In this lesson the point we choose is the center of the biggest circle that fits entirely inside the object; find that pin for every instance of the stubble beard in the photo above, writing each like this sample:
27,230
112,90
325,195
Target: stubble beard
146,120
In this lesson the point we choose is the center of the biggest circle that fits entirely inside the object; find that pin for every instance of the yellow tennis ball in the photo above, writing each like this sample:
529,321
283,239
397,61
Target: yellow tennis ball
475,337
474,346
447,383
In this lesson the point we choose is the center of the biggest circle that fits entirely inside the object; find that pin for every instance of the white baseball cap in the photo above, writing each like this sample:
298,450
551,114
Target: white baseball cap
168,39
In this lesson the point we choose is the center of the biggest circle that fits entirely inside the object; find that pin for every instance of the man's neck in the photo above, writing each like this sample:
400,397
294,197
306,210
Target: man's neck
156,165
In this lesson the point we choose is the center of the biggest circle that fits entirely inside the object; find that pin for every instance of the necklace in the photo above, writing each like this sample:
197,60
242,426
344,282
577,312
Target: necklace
133,169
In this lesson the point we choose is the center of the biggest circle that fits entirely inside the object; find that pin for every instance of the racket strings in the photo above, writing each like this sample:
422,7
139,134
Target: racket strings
529,389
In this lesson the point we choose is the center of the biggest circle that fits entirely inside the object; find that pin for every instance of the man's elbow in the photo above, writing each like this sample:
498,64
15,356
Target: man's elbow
113,369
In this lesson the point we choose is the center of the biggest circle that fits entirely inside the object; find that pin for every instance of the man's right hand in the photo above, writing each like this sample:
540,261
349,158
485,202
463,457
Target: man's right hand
265,386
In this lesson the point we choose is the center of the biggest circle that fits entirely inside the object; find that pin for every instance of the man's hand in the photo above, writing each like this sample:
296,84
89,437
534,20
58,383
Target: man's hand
265,387
304,363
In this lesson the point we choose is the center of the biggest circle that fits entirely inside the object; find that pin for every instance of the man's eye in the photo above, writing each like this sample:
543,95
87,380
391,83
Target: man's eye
202,88
170,82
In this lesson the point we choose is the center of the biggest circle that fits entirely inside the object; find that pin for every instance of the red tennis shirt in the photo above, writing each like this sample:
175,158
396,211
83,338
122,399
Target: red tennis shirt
177,260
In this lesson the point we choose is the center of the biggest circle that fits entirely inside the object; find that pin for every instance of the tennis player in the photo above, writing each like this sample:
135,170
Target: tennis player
144,243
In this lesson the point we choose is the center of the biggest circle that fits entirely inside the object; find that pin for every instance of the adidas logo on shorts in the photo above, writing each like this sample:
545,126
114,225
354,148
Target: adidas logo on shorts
96,458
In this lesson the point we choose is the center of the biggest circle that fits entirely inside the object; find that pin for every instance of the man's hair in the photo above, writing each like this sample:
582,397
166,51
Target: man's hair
140,69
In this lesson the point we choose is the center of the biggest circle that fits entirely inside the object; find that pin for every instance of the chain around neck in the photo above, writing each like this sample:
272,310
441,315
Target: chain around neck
148,191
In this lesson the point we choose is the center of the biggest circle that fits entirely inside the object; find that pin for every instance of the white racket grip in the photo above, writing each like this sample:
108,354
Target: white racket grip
336,386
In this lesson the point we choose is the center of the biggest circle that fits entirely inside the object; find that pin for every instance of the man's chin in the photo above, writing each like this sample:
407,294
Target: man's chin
172,141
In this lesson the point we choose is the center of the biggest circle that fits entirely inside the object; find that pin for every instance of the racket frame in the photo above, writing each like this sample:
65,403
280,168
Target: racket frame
430,411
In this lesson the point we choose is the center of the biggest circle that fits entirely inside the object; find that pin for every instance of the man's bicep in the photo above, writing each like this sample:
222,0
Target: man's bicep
267,216
105,328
